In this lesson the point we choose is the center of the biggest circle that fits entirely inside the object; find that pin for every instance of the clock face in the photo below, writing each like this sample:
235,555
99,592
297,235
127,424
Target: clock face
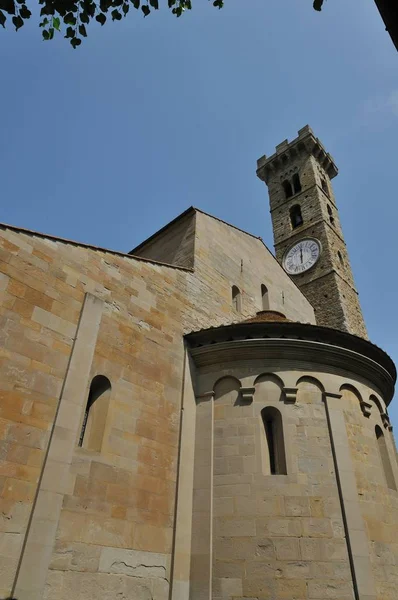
302,256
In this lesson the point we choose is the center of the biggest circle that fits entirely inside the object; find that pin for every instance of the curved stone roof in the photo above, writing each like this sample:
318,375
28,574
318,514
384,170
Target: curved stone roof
268,316
270,334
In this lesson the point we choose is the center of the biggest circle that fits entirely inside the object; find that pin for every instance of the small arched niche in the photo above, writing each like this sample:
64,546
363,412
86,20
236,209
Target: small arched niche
287,187
95,414
296,183
275,459
296,218
264,297
226,390
236,299
330,213
351,394
385,459
324,186
309,390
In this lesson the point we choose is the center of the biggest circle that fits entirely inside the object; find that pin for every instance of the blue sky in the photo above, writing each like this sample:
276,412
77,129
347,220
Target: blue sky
108,143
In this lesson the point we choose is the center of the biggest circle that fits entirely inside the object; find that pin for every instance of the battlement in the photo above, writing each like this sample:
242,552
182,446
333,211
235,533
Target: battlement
287,151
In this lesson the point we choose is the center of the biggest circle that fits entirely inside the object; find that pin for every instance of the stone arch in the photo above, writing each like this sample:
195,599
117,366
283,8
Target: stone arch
269,386
95,414
383,411
385,458
308,379
269,377
309,389
376,401
275,445
226,389
351,390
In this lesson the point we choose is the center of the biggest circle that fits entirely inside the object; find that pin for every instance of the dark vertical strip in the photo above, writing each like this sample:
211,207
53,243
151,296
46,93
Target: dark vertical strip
341,498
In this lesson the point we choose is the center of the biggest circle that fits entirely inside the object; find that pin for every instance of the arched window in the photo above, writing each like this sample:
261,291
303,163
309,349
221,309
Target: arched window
295,216
288,189
296,183
330,213
340,257
94,421
264,297
236,298
325,186
385,459
273,428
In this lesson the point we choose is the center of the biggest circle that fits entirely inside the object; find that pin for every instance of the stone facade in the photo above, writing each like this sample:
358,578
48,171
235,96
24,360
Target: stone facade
163,487
329,285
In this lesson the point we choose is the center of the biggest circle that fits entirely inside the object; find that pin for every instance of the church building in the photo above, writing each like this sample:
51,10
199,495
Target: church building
197,419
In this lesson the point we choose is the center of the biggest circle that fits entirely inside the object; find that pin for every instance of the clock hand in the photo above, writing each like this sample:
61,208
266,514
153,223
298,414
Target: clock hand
301,255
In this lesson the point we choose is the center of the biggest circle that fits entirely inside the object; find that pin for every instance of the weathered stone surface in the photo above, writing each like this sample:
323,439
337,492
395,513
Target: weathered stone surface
108,522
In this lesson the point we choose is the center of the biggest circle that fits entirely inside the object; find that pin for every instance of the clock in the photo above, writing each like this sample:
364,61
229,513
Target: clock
302,256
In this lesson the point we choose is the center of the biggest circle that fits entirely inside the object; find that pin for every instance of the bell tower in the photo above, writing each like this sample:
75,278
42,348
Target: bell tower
308,238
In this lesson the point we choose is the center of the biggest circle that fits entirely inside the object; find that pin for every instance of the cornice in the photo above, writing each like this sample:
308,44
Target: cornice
296,346
286,151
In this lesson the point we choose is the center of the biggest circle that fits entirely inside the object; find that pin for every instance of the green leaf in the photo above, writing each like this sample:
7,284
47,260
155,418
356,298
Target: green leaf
18,22
318,4
57,23
82,30
44,22
101,18
70,32
116,16
75,42
46,35
3,18
145,9
25,12
125,8
51,33
135,3
154,4
171,3
84,18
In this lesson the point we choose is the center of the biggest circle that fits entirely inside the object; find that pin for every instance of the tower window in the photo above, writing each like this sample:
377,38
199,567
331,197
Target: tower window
264,297
340,257
287,188
95,415
325,186
385,459
296,218
273,429
296,183
330,213
236,298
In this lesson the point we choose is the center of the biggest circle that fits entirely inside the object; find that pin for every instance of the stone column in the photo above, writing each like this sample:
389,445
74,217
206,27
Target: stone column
56,479
357,541
202,511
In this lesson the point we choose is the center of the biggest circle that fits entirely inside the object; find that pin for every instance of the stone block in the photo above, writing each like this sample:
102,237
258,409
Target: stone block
287,548
296,506
234,527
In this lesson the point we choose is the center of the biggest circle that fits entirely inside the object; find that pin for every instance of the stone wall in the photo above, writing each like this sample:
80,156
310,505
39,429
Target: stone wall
174,244
323,530
321,221
101,521
378,502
